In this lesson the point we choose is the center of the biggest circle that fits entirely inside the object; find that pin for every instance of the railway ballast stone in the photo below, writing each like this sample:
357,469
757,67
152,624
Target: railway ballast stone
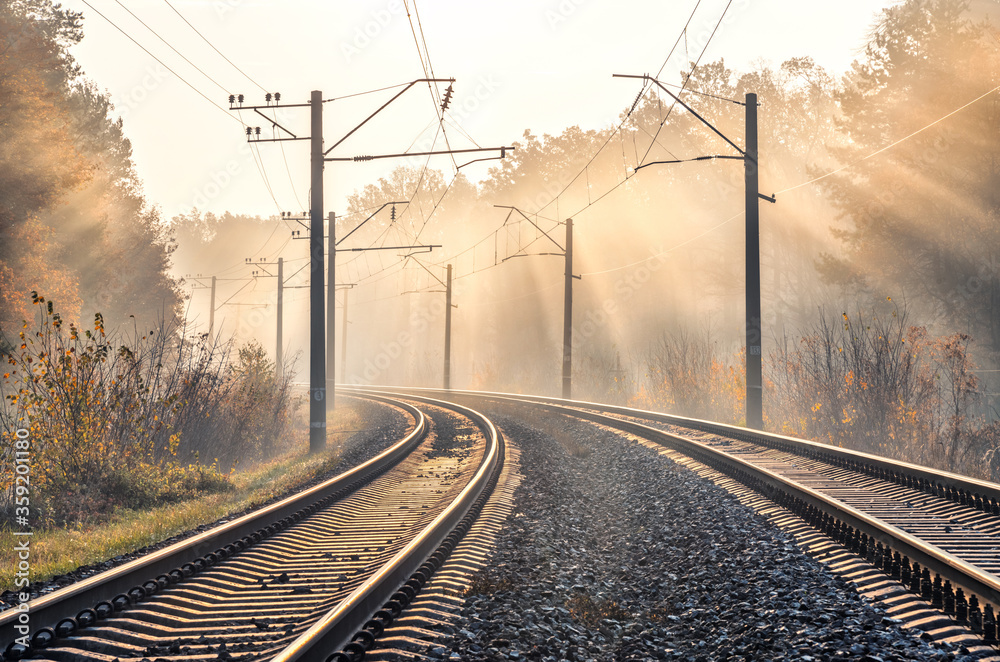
614,552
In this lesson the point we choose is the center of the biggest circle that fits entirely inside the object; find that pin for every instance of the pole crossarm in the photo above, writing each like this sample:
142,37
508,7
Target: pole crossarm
274,123
389,248
274,140
689,108
511,257
697,158
269,105
383,106
261,264
503,152
558,245
485,158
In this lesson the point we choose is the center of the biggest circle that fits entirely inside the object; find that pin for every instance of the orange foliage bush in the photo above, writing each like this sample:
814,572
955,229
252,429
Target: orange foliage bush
868,381
123,421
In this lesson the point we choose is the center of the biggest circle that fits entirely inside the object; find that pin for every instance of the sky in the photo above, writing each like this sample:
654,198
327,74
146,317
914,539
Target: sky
518,65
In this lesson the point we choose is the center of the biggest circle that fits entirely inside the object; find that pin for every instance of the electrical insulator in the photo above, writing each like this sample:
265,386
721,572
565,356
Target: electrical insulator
256,130
447,98
503,152
240,99
232,99
277,97
392,213
249,132
267,97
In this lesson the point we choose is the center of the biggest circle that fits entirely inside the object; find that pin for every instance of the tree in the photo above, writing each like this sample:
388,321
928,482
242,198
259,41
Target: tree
37,159
74,223
921,217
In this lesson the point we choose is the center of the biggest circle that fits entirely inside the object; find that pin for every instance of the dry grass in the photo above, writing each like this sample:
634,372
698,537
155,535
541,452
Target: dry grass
585,609
482,585
556,426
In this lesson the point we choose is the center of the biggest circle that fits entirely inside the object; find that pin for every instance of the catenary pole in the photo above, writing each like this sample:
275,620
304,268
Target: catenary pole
754,384
317,339
331,311
343,341
447,331
281,285
318,385
567,371
211,312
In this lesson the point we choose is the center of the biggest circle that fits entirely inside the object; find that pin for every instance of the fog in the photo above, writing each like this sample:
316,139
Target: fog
886,186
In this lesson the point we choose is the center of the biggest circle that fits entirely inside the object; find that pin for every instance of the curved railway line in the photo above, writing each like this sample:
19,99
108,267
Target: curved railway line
323,574
934,533
326,570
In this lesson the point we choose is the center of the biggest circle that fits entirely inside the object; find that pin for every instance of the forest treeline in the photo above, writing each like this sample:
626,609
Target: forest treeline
880,274
74,222
119,407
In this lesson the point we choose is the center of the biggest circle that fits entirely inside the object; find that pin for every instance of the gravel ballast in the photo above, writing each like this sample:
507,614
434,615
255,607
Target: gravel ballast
614,552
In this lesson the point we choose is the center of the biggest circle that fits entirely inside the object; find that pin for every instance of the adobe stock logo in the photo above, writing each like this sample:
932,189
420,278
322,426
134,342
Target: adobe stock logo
363,35
138,93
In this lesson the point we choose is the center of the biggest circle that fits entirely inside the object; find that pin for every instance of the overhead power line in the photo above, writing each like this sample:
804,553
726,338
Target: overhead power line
245,75
171,47
252,80
182,79
891,145
688,78
165,66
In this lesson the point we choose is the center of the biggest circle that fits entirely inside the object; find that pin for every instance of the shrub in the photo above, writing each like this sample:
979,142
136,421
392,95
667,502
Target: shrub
122,420
686,375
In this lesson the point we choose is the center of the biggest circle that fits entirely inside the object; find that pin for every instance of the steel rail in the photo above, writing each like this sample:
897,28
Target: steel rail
333,630
186,554
961,573
985,489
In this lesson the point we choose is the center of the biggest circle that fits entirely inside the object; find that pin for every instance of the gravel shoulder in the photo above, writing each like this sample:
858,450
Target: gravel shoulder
614,552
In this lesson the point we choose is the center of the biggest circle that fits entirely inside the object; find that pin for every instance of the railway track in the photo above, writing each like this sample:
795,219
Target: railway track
933,533
324,571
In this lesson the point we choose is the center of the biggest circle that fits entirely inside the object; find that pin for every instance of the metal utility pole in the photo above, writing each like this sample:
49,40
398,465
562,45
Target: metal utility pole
319,392
343,341
280,276
448,305
331,311
567,363
317,363
751,168
447,331
211,312
281,284
567,253
755,386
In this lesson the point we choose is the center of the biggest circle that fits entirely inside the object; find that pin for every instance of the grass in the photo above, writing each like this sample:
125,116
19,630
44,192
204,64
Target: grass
57,551
483,585
556,427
